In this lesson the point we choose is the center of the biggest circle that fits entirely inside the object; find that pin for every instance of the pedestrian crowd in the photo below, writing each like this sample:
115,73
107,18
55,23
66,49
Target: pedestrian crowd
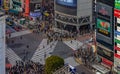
28,67
85,52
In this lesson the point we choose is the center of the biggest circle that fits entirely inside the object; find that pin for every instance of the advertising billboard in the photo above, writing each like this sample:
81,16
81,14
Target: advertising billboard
104,23
117,4
72,3
117,9
103,27
66,9
35,7
104,53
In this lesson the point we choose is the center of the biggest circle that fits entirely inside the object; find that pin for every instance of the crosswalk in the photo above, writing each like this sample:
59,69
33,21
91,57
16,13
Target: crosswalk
20,33
12,56
43,51
71,61
74,44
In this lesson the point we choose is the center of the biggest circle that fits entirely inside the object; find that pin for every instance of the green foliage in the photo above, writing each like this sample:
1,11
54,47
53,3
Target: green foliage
53,63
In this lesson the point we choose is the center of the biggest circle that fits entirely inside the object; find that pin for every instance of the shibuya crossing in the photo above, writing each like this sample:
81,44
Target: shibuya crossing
85,34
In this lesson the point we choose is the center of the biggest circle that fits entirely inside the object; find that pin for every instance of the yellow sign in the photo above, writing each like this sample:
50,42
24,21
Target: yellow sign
103,31
6,4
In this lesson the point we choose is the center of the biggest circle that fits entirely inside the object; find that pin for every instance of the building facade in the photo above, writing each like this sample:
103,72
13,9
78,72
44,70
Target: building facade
105,33
26,7
35,9
73,15
2,43
15,7
117,37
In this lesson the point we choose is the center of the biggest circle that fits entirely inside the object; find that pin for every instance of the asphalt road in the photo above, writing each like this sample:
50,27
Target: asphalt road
20,45
33,40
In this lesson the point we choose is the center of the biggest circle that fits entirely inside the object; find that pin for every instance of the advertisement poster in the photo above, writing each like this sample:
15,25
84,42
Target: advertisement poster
103,27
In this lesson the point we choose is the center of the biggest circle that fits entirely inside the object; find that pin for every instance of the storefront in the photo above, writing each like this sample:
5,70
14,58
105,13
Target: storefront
99,69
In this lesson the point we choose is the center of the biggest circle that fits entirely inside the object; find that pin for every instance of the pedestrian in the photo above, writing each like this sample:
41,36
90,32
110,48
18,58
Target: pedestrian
43,46
27,46
21,37
12,41
71,41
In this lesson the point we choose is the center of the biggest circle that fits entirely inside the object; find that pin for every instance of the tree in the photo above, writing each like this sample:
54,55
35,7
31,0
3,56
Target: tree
53,63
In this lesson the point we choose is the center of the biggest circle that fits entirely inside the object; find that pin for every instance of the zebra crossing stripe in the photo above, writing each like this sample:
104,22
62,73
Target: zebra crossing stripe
12,56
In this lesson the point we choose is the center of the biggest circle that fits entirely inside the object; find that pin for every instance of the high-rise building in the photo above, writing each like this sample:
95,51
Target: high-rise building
117,37
73,15
35,9
2,43
105,33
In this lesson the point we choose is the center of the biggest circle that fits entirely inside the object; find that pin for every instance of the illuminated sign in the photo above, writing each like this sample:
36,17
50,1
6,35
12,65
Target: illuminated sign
118,20
104,23
67,1
35,14
6,4
104,53
117,8
72,3
103,11
117,4
103,27
117,13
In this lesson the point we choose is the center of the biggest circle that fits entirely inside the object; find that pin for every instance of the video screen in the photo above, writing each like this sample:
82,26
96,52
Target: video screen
72,3
103,27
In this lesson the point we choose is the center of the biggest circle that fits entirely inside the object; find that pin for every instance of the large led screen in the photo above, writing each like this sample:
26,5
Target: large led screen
104,24
72,3
103,27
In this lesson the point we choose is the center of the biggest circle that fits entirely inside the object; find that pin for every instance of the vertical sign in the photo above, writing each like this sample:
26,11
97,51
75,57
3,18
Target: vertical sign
117,9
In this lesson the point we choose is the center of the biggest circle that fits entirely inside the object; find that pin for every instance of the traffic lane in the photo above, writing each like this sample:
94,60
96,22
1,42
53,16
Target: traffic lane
81,69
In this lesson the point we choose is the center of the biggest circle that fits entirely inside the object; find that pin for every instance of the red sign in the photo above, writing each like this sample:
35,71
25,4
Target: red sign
103,11
107,62
117,13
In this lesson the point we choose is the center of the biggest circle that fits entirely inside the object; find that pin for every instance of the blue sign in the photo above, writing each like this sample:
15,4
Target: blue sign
72,3
38,14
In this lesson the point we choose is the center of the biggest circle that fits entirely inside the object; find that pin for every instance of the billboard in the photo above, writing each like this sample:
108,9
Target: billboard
117,8
104,53
72,3
117,4
104,23
103,27
35,7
